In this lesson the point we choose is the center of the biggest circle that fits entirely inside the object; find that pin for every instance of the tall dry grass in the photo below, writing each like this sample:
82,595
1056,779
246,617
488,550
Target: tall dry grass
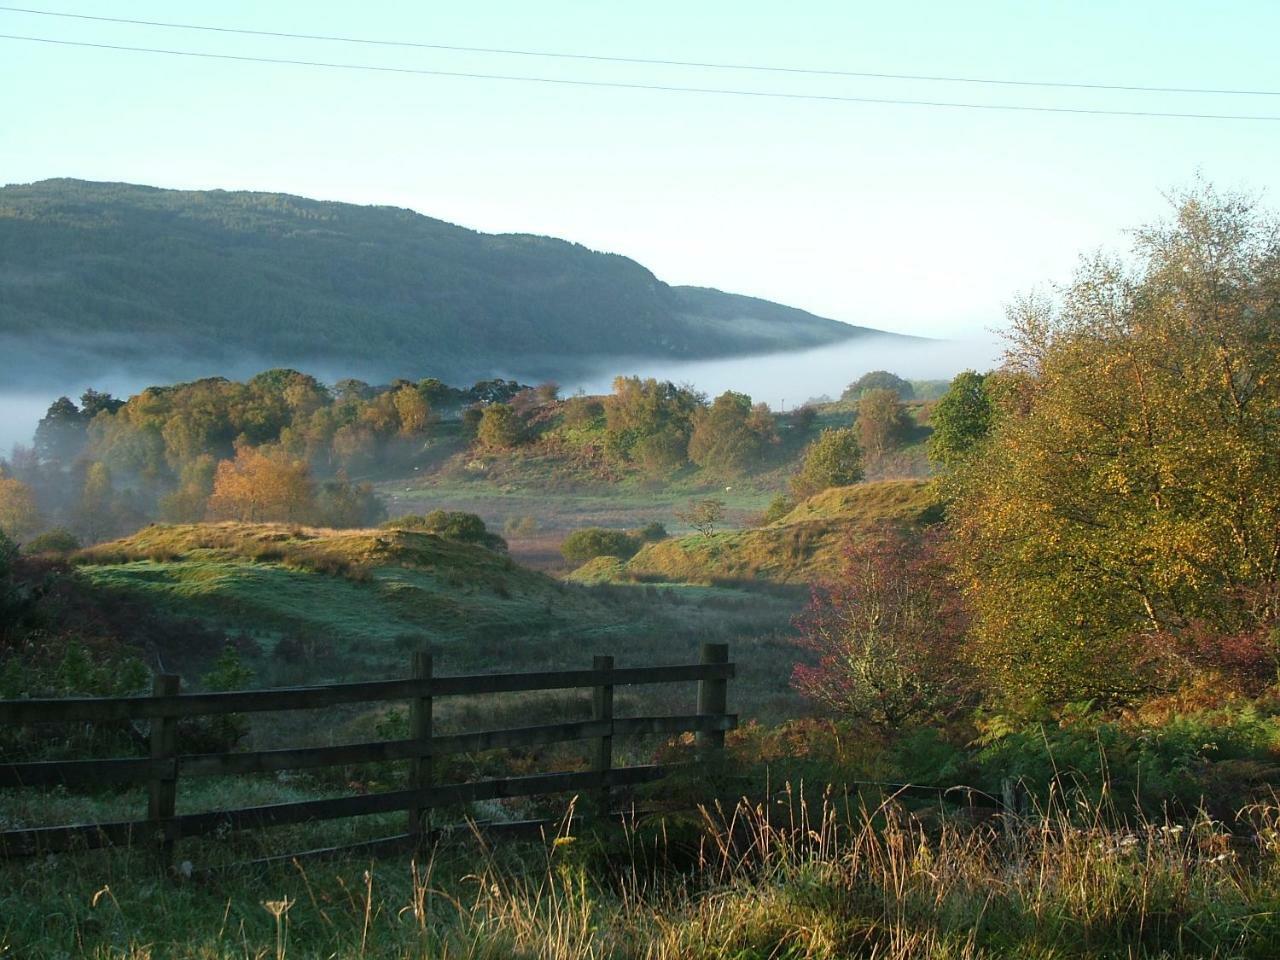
789,880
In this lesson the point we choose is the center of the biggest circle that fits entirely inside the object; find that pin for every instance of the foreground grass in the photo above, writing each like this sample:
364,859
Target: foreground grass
851,883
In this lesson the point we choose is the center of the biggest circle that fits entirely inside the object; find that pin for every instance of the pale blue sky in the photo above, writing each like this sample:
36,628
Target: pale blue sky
906,218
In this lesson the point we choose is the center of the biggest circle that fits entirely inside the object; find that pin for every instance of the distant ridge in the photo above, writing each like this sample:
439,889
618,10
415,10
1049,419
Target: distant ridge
116,279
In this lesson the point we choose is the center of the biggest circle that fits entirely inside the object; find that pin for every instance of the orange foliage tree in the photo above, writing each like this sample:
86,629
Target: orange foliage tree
262,484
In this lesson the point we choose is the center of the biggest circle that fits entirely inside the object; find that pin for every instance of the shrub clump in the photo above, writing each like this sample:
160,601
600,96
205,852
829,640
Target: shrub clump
591,542
456,525
57,541
833,460
651,532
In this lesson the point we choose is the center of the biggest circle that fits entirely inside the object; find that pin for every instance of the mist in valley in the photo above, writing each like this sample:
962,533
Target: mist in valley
788,379
783,380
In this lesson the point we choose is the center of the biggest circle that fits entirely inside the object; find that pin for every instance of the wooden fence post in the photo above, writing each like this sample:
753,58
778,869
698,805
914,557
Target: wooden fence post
162,794
602,710
420,773
1013,805
713,699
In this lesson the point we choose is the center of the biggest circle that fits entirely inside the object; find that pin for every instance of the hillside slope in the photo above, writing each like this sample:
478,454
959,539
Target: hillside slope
365,596
131,279
800,548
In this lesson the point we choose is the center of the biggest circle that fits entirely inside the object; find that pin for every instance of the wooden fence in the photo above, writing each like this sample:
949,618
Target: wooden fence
165,767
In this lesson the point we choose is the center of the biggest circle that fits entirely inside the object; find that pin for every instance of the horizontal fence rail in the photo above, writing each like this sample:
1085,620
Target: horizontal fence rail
166,766
306,698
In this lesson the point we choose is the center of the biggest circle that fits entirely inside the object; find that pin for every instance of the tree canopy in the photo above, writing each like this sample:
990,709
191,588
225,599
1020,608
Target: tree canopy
1122,519
961,419
731,435
832,460
879,380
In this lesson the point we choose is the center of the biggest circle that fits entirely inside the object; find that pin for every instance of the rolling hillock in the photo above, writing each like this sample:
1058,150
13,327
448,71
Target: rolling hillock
364,597
800,548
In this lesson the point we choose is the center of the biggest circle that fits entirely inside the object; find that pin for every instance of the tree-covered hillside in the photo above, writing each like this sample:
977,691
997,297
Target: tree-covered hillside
99,277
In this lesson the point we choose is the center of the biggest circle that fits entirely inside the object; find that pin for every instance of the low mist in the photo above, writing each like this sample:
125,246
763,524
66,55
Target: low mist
788,379
19,414
783,380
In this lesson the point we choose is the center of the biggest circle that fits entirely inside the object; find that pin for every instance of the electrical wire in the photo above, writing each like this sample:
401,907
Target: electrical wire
618,85
648,61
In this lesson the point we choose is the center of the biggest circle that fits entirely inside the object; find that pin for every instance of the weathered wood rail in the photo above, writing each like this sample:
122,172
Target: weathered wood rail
165,768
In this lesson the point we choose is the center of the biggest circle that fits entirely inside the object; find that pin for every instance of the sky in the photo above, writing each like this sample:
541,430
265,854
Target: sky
907,218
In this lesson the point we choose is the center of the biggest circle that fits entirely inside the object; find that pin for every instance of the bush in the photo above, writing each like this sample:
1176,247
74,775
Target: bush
500,427
883,423
1218,759
651,532
520,526
886,635
224,732
833,460
583,413
58,540
591,542
778,508
456,525
344,504
471,421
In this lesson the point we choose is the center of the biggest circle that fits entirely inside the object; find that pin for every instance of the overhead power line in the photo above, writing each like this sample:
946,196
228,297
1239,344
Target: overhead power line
649,61
618,85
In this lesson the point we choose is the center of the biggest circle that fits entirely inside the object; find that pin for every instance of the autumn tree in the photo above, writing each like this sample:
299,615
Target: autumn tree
883,423
19,515
638,410
661,453
500,427
731,435
702,514
885,634
95,514
834,459
190,501
262,484
354,446
412,411
1127,501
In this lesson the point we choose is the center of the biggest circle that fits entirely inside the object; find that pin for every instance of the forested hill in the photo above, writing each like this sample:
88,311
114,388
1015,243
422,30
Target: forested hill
114,277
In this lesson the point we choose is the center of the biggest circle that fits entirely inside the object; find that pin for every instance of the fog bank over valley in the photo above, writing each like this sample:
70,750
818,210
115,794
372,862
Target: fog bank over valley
787,378
792,377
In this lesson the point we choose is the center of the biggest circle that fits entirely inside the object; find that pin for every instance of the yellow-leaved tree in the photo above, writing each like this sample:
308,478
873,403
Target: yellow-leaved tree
19,515
1119,528
262,484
